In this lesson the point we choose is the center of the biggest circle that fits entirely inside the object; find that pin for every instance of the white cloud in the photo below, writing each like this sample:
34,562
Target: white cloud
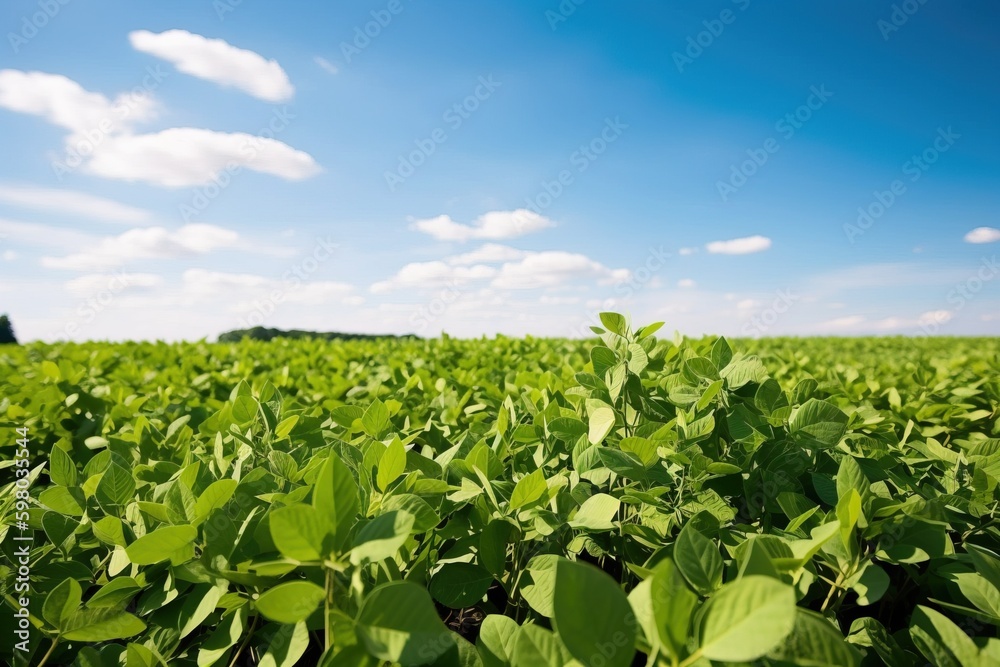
202,285
934,317
65,103
747,304
146,243
494,225
983,235
73,203
187,156
326,64
553,267
9,255
741,246
217,61
101,140
687,251
548,300
92,283
35,234
421,275
686,283
843,322
489,253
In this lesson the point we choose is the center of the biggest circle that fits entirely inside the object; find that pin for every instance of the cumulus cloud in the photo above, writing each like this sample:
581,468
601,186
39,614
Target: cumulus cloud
741,246
686,283
102,141
494,225
420,275
687,251
489,253
187,156
843,322
217,61
983,235
554,267
203,285
93,283
146,243
71,202
64,102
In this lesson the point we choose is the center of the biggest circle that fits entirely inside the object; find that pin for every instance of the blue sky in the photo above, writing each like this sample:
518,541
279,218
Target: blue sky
182,169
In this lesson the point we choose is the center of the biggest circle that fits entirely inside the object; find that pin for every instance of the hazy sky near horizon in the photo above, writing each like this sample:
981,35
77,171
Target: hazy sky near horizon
401,166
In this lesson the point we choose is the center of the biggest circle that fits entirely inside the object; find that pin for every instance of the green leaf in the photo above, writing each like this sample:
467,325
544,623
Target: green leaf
287,645
68,501
392,464
299,532
215,496
528,490
100,625
225,635
818,424
698,559
335,498
747,618
198,603
592,616
115,593
290,602
459,585
160,544
815,642
870,583
602,420
117,486
245,409
398,623
497,636
62,602
538,583
535,646
940,640
597,513
614,323
673,604
375,420
62,470
381,537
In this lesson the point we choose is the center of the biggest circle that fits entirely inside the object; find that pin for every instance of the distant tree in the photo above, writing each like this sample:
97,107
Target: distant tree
6,331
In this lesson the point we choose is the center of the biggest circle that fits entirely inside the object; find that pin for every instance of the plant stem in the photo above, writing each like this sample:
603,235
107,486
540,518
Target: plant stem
48,654
246,640
326,608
